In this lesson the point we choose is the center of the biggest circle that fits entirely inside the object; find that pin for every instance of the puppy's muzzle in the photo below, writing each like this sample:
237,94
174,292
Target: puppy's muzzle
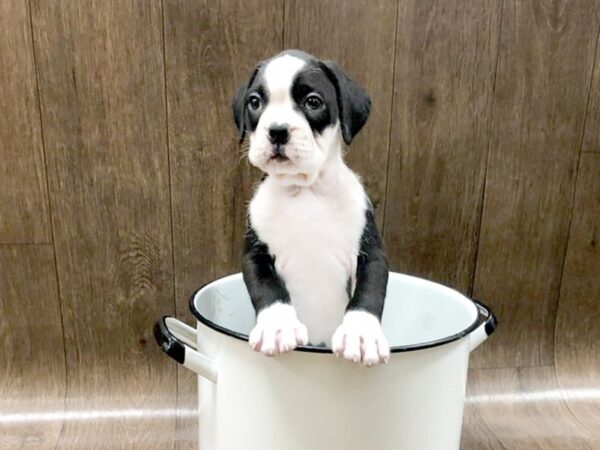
279,135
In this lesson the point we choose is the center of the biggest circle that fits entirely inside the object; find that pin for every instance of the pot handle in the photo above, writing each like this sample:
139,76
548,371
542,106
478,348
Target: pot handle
487,325
178,341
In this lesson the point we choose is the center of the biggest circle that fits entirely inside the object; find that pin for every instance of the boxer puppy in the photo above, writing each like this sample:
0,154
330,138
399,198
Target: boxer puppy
313,260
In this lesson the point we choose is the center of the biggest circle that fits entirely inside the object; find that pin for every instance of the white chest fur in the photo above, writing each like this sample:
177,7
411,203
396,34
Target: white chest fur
314,234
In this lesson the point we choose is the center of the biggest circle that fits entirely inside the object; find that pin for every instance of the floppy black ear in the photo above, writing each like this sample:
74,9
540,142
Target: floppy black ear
239,104
353,102
239,109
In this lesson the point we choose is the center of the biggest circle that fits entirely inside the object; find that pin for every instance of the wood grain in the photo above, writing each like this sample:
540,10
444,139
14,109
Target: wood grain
538,119
578,324
211,48
103,109
524,410
23,196
32,353
365,50
476,435
591,137
445,63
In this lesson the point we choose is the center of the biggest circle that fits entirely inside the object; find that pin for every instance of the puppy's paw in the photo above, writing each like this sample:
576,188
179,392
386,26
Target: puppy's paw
277,330
360,339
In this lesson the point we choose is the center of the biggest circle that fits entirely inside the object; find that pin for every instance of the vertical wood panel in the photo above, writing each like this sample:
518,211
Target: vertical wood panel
100,69
539,109
591,138
32,354
360,39
211,48
578,322
23,196
445,64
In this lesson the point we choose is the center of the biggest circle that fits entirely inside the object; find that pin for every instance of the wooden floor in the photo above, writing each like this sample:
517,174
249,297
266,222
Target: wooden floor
526,409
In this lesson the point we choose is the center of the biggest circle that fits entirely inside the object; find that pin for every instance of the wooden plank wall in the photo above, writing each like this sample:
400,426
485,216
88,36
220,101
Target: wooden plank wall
123,188
443,93
538,119
23,196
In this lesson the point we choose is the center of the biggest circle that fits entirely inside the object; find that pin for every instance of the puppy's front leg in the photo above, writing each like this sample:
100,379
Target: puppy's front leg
360,338
277,329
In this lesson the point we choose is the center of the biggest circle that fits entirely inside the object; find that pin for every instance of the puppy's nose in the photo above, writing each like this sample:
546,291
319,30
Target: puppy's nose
279,134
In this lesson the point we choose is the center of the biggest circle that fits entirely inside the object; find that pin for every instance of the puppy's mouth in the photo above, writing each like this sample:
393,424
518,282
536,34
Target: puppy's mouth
279,158
278,154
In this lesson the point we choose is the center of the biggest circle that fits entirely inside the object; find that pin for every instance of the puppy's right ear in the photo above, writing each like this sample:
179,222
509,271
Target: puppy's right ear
239,104
353,102
239,110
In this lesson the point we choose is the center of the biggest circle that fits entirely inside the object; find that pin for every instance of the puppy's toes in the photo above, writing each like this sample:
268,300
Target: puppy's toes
269,345
383,349
255,339
352,348
277,330
301,333
370,354
287,340
360,339
337,342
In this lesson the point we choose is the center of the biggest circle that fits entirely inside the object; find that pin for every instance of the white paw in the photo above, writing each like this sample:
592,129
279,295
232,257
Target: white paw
277,330
360,339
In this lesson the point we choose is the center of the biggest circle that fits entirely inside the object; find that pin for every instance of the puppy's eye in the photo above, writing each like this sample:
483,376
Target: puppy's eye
254,102
312,102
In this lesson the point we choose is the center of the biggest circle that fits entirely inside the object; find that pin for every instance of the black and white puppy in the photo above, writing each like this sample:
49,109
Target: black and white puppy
313,260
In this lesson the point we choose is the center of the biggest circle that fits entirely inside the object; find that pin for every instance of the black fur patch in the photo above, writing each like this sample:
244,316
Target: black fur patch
264,284
310,80
354,103
372,271
240,110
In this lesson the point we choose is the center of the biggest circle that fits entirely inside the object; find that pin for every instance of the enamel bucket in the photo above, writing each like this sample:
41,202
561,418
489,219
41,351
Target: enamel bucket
309,399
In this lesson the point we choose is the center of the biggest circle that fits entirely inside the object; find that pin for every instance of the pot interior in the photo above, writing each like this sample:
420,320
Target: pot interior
418,313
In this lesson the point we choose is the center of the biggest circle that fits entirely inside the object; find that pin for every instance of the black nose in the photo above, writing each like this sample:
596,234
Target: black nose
279,134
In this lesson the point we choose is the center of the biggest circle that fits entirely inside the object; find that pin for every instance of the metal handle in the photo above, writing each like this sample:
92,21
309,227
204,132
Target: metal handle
178,340
487,325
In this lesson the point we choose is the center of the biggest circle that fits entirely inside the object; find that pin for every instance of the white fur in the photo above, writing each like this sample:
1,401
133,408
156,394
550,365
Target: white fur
277,330
314,233
360,339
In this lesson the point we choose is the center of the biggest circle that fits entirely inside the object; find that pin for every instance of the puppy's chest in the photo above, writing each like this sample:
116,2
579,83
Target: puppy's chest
310,231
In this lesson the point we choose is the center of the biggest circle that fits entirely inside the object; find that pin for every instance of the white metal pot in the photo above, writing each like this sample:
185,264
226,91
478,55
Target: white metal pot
311,400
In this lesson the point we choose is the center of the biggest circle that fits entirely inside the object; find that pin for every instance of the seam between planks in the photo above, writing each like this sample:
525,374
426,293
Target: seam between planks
169,176
168,143
487,156
283,39
49,199
391,123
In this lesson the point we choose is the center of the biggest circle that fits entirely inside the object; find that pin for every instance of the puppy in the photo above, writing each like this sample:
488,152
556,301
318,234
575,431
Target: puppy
313,260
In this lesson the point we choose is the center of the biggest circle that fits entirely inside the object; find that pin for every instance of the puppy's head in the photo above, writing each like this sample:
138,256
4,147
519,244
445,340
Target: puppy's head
296,110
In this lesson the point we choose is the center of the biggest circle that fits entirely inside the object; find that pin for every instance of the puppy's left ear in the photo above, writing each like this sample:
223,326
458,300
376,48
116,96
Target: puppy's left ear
354,103
239,104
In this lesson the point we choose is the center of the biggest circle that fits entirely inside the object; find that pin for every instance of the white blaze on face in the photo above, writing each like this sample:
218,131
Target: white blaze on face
279,76
306,152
